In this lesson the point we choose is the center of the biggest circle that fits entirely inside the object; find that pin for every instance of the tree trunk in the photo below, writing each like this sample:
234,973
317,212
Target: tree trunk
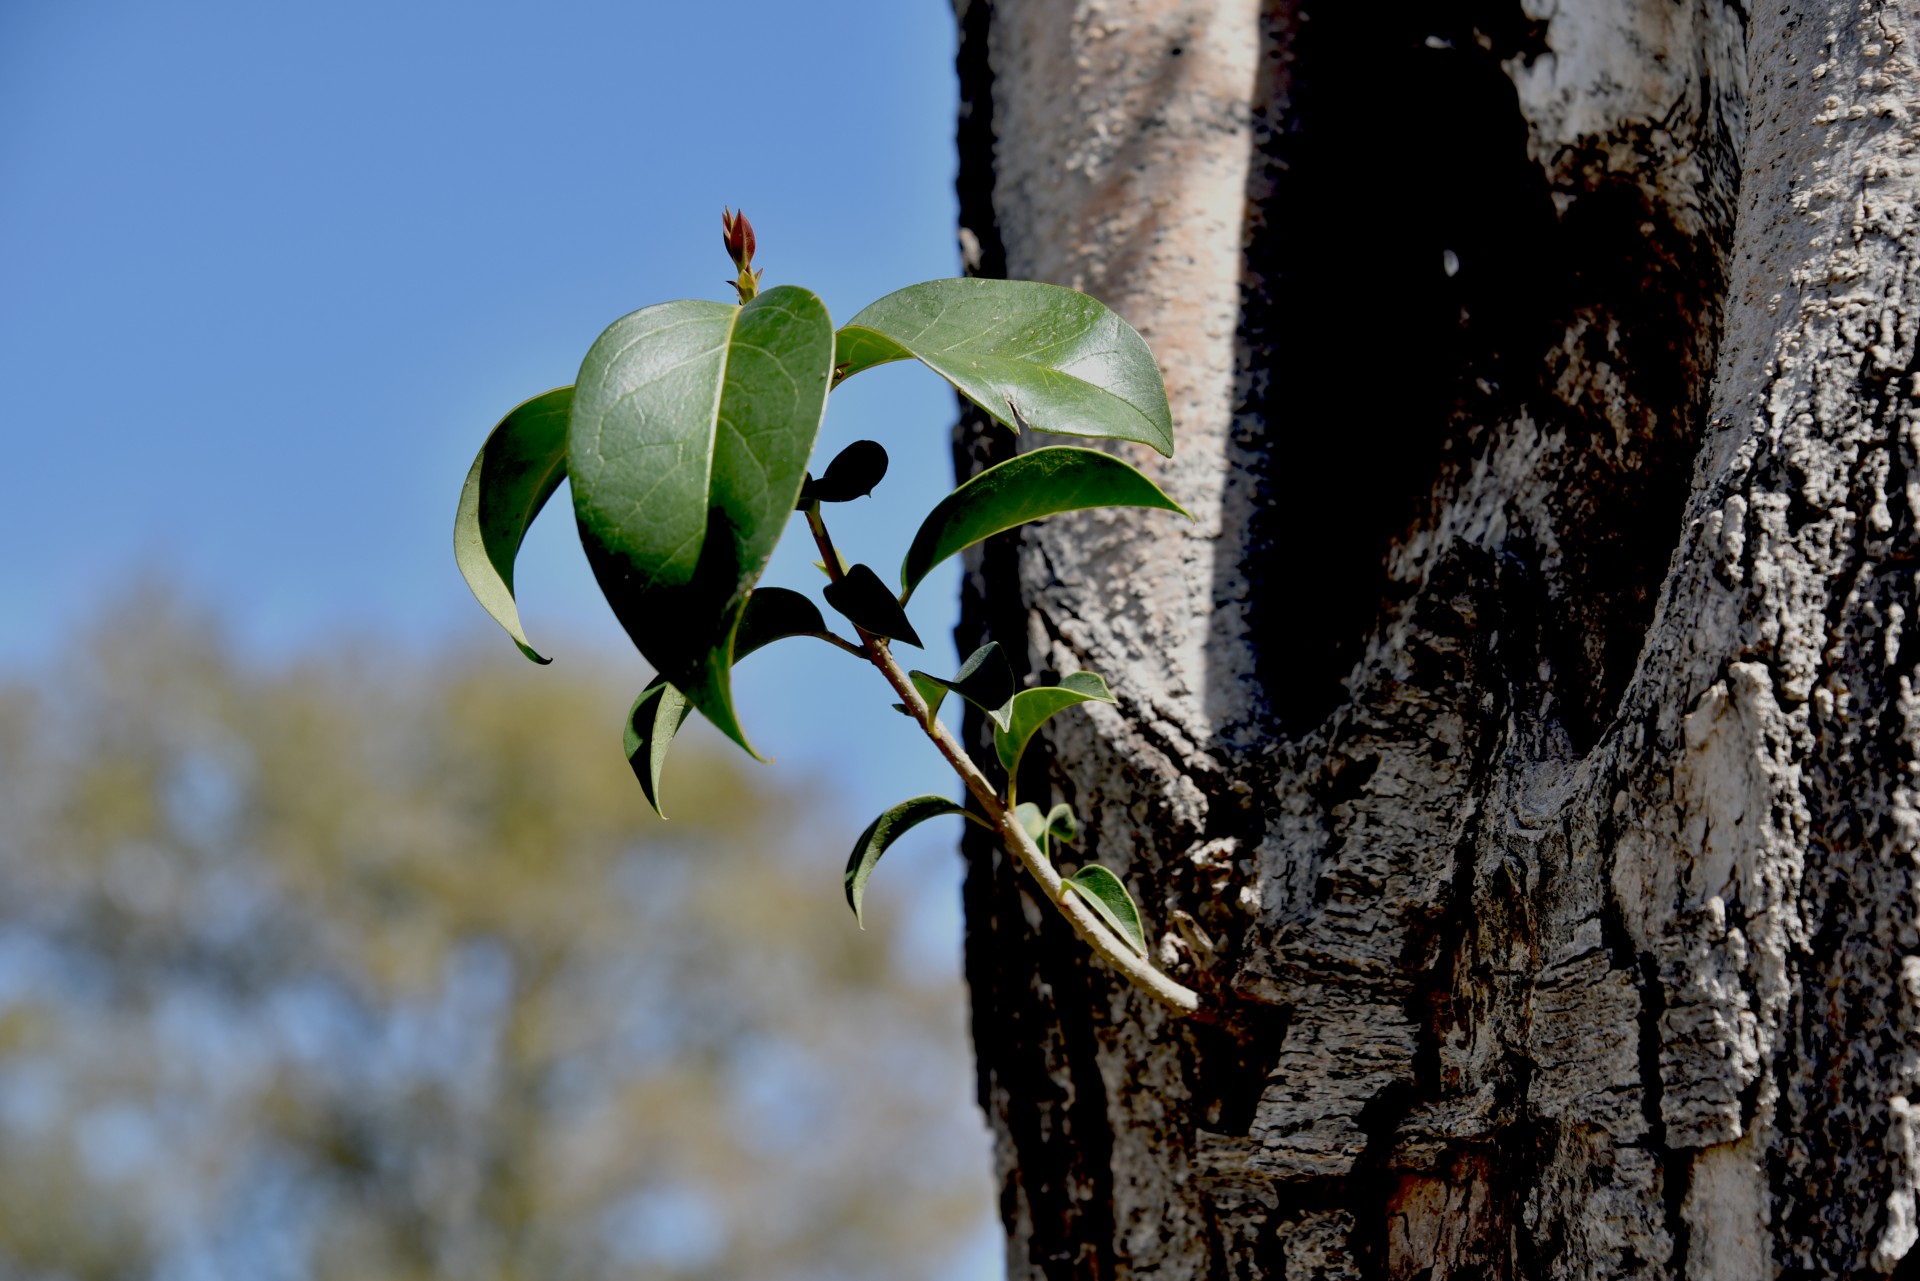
1519,748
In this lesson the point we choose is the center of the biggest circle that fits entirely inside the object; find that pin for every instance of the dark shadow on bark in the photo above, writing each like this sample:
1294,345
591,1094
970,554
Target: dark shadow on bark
982,252
1410,288
1386,160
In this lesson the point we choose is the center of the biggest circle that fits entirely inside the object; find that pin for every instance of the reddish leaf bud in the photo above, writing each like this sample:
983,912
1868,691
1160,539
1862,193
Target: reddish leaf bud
738,237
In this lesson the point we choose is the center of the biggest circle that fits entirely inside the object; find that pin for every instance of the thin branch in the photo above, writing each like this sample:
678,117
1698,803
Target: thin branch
840,642
1085,921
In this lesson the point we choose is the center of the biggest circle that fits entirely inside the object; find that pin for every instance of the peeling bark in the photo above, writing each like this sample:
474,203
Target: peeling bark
1528,719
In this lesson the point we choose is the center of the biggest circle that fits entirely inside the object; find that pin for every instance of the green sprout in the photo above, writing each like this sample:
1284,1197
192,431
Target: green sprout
688,437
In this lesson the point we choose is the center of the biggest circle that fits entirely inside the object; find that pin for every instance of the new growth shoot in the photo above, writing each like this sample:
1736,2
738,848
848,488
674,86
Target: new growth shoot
678,550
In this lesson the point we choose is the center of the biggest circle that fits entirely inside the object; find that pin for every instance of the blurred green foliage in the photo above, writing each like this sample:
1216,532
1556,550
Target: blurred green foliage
380,970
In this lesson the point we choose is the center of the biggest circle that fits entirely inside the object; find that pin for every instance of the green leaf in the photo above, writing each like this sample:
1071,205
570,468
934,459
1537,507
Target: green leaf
1043,483
1031,355
1062,824
772,613
852,474
883,832
1033,707
692,424
1109,897
522,463
655,717
985,680
868,605
933,692
1057,823
775,613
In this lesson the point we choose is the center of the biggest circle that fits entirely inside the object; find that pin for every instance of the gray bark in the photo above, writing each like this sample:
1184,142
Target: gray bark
1525,732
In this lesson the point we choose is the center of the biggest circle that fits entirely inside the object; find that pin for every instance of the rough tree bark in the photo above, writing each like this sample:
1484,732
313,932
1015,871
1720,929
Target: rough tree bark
1528,723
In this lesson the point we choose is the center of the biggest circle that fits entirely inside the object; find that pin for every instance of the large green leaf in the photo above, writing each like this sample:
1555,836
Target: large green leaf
522,463
772,613
1031,355
1033,707
883,832
692,425
1109,897
1043,483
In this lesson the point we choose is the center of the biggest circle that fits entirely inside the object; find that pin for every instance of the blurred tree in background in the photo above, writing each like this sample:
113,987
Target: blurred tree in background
379,970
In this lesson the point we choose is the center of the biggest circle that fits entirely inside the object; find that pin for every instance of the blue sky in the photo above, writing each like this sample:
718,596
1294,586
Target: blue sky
268,274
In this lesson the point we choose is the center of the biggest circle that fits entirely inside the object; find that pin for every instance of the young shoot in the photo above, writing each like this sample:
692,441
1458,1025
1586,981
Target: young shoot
688,438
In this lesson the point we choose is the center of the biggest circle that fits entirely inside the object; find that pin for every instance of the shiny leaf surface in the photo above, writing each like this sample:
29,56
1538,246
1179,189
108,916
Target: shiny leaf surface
1043,483
1033,707
692,424
1031,355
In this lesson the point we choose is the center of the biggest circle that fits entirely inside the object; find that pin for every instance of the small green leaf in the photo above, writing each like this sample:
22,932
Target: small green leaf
772,613
1033,707
1062,825
775,613
1043,483
932,690
1057,823
691,428
655,717
884,831
1109,897
522,463
1031,355
868,605
852,474
985,680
